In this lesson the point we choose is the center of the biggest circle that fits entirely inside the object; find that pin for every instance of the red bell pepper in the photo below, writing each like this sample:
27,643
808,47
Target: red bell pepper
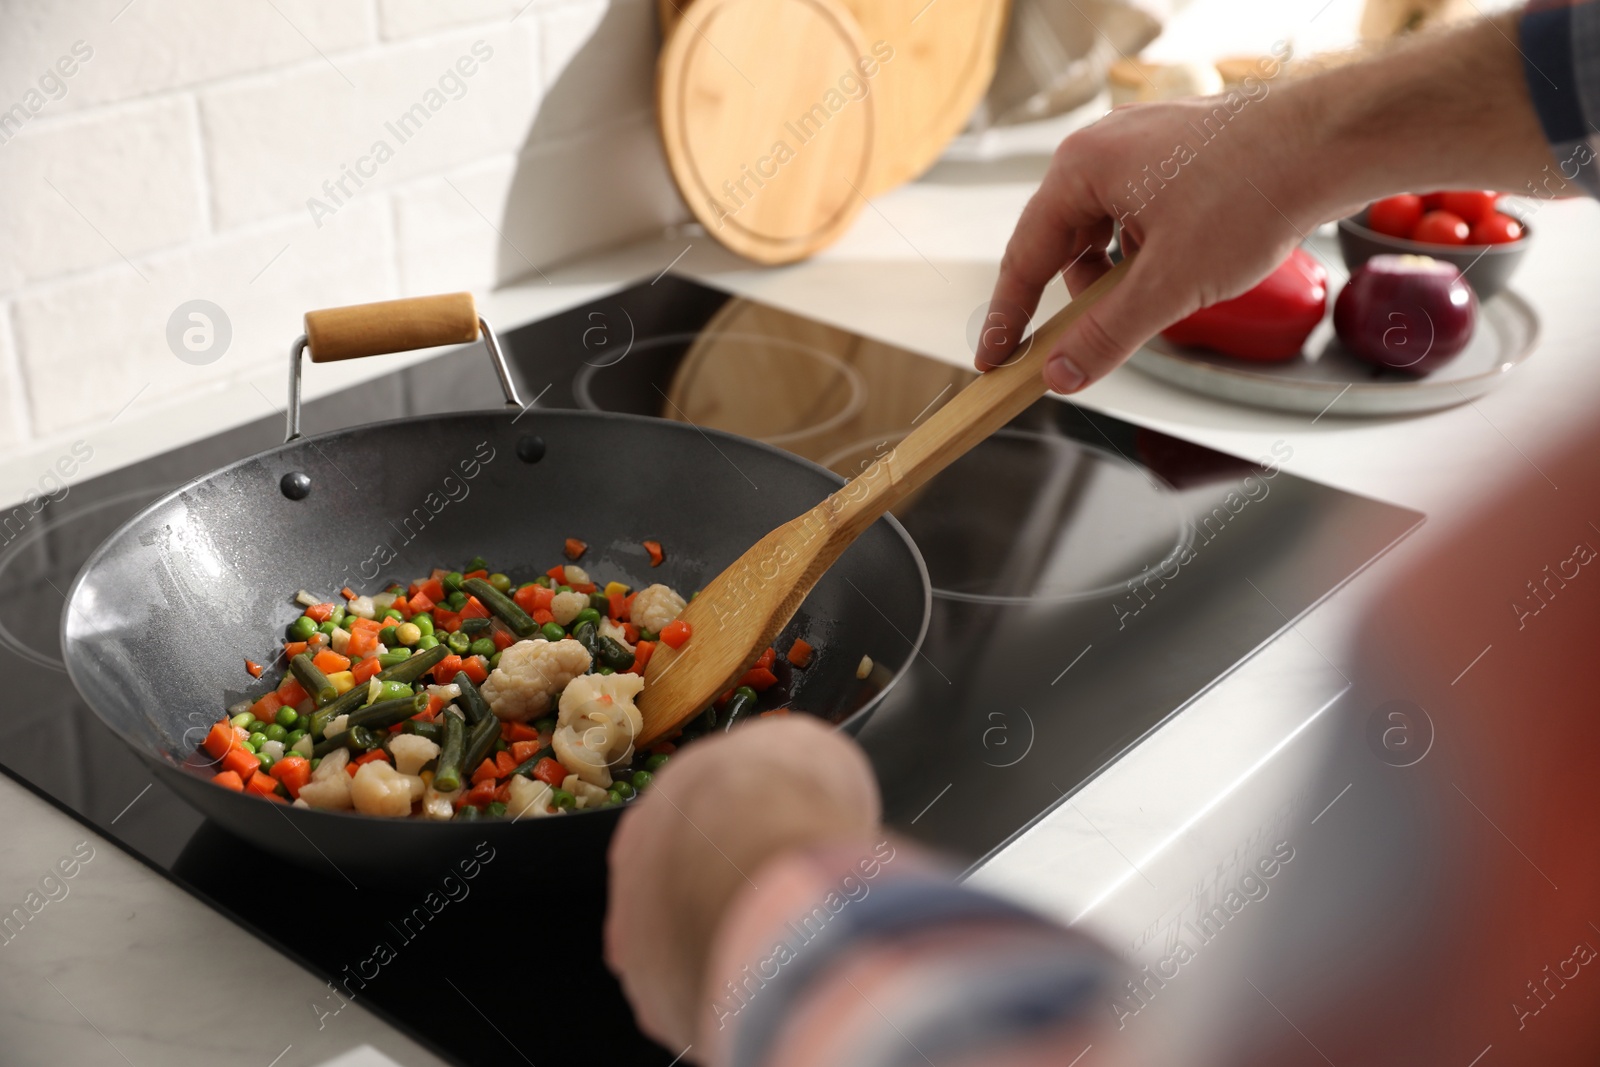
1267,324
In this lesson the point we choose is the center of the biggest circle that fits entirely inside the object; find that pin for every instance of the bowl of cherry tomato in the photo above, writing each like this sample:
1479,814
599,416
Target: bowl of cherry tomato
1465,228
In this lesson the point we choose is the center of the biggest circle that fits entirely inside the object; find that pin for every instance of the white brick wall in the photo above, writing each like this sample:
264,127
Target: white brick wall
166,150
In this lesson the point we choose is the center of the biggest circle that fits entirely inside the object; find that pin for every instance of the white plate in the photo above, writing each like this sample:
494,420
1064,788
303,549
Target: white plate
1325,372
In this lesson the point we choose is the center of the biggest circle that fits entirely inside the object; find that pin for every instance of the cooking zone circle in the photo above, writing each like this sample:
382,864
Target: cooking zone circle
729,380
1025,517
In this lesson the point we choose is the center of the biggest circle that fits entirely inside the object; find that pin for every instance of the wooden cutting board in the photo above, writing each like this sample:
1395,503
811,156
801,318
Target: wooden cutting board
767,123
944,55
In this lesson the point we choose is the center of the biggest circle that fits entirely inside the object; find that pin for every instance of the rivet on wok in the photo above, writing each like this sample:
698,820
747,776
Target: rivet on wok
296,485
530,449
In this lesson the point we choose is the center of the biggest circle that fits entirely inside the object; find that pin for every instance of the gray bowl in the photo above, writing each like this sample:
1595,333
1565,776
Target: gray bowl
1487,268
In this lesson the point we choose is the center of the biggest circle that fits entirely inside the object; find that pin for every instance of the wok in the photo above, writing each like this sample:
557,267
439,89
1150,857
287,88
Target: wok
160,619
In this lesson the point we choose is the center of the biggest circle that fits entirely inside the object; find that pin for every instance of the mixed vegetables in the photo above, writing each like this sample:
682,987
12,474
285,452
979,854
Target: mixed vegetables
465,695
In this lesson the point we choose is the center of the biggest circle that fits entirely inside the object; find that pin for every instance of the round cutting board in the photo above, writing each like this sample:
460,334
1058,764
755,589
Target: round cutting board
766,121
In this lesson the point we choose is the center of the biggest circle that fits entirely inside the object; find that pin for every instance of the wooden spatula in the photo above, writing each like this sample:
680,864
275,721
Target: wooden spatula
742,610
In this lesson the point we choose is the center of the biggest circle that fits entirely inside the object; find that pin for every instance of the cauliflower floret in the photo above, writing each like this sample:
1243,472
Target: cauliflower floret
586,795
655,606
411,751
575,574
529,798
336,725
329,787
597,725
379,789
437,805
565,607
530,675
616,633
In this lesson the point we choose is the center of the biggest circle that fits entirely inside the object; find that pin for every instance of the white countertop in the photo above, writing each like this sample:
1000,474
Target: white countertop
137,964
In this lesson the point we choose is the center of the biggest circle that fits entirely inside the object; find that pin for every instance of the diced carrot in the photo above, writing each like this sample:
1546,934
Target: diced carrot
293,648
519,731
420,602
320,612
474,609
265,708
549,772
479,573
676,633
220,741
504,763
368,625
615,605
290,691
316,641
253,668
503,793
240,761
543,615
663,748
361,642
476,668
479,794
228,780
765,660
487,771
800,653
773,711
522,751
760,679
557,574
447,669
575,549
641,656
403,606
366,757
293,772
503,638
435,703
347,593
627,606
584,587
448,621
433,589
531,598
330,662
631,632
656,555
722,700
362,672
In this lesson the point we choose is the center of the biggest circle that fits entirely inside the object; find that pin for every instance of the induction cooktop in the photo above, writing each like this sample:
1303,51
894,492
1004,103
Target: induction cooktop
1091,577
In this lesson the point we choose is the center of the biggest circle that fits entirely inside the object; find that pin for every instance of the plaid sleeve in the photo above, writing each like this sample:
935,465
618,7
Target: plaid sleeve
1561,60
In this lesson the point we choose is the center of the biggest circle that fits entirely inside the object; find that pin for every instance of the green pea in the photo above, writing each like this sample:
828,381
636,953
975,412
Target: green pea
468,813
500,745
611,800
560,798
389,635
476,563
500,582
252,747
293,738
646,635
338,616
243,720
746,692
327,628
483,646
427,641
563,588
302,628
393,691
586,615
543,579
605,670
316,761
458,642
552,632
286,718
495,810
276,732
452,582
423,622
545,726
494,660
265,760
456,600
393,659
656,762
408,633
393,613
257,739
623,790
642,780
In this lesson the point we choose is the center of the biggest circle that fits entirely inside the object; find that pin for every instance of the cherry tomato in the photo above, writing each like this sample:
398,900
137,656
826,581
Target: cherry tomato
1474,205
1497,229
1441,228
1432,201
1396,216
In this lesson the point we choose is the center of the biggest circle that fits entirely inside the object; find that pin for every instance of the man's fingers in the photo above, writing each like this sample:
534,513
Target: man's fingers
1108,333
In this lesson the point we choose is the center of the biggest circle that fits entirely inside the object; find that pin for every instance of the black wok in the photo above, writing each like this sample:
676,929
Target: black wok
160,620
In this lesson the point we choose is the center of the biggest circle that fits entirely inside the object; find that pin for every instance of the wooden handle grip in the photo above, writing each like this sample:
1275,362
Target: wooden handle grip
391,326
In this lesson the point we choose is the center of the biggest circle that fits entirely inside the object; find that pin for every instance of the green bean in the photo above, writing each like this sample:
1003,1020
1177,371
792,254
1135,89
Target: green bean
302,628
356,739
495,600
391,691
560,798
312,679
741,707
385,713
244,720
587,635
480,743
525,768
458,642
415,666
468,813
431,730
408,670
447,777
395,658
546,725
552,632
483,646
494,810
472,701
476,627
612,654
600,602
338,616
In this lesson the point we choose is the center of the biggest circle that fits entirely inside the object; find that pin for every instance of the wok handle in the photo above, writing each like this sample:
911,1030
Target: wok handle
391,326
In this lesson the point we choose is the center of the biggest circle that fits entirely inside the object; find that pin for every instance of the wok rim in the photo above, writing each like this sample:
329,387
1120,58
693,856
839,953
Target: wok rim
164,764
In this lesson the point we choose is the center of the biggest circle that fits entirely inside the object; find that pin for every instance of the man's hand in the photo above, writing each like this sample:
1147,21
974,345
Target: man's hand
718,811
